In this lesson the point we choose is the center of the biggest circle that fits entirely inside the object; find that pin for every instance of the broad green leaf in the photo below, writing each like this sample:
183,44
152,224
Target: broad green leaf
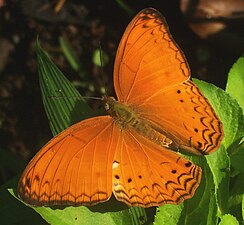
168,214
63,103
228,219
83,216
86,216
219,164
235,87
235,82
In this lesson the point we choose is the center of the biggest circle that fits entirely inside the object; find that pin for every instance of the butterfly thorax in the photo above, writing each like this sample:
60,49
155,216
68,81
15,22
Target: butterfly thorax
126,117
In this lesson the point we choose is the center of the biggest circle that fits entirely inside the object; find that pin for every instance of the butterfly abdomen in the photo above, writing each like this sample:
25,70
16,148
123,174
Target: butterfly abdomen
147,130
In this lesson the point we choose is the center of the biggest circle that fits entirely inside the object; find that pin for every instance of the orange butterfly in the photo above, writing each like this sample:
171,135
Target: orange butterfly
131,151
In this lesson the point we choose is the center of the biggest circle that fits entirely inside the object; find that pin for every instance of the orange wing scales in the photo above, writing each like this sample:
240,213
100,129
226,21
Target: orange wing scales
73,168
148,175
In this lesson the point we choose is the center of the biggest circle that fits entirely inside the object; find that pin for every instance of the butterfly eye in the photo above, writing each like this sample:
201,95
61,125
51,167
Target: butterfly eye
106,106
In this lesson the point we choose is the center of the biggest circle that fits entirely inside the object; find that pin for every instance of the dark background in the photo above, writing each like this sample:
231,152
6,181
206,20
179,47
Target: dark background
210,34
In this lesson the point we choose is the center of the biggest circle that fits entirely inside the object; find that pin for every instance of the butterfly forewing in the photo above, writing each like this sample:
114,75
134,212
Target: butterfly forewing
147,58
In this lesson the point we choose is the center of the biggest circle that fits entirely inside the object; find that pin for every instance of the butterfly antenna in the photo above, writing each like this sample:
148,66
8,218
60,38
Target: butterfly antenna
77,97
91,97
101,57
102,64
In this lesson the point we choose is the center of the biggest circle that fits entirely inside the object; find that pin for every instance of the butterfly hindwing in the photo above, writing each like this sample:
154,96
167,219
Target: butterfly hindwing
145,174
74,168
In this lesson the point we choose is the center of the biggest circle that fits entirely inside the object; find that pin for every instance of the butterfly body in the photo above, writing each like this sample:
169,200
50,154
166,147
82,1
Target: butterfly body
126,117
132,151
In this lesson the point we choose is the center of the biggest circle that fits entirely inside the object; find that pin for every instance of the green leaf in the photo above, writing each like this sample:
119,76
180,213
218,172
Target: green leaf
63,103
219,164
69,53
228,219
83,216
86,216
235,82
168,214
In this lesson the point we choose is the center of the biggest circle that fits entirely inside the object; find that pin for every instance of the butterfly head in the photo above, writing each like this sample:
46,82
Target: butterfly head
121,113
108,103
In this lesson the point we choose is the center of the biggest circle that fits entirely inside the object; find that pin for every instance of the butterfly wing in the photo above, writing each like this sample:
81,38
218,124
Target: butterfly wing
151,75
145,174
74,168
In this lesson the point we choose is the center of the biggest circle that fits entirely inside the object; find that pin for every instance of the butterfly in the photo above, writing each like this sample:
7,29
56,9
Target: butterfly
133,151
